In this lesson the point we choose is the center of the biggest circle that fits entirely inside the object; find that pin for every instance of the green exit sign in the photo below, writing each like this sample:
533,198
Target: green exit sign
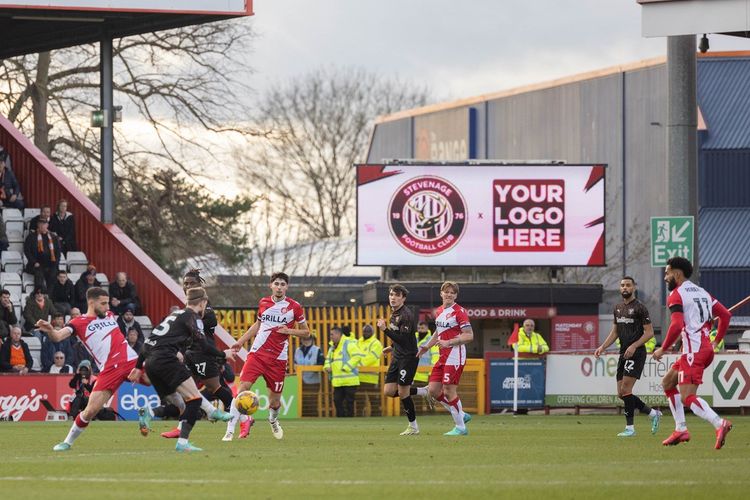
671,237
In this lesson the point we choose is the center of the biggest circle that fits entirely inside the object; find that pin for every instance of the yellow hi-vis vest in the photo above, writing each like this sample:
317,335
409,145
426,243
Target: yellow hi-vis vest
343,361
712,337
427,359
526,344
371,350
650,344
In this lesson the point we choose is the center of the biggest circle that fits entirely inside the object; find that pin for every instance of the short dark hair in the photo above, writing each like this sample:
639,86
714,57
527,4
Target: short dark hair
399,289
628,278
57,314
196,275
423,323
280,276
61,271
682,264
4,292
96,292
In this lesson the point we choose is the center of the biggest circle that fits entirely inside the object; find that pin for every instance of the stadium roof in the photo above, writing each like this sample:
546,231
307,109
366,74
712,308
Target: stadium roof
723,236
30,26
724,97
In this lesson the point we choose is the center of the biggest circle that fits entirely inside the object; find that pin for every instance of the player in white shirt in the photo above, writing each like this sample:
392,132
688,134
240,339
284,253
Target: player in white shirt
100,334
692,312
452,332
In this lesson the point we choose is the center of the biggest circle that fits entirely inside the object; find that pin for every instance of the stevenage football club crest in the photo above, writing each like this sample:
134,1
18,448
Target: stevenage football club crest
427,215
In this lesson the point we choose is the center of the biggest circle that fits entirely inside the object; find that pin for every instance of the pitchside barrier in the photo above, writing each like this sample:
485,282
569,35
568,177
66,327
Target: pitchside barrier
316,399
580,380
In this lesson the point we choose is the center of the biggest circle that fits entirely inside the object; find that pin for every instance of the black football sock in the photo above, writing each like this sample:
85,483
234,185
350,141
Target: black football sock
413,391
224,395
192,410
629,400
642,407
411,412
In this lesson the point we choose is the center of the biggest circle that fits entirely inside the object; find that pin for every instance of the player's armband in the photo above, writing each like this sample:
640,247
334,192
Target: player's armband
675,308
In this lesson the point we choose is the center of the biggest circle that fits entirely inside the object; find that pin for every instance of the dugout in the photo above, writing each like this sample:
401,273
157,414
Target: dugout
565,314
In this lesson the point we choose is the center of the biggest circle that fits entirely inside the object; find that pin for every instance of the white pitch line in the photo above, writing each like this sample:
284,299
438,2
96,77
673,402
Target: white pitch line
369,482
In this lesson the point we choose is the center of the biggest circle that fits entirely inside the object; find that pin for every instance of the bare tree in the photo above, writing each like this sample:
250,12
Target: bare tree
316,127
180,88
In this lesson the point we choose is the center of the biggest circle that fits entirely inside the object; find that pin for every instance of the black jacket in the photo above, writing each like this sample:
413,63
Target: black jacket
65,228
5,365
124,328
81,288
126,295
7,319
62,293
31,250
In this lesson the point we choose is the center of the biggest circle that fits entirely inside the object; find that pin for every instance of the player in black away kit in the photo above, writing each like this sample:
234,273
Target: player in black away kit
205,366
400,329
180,330
632,327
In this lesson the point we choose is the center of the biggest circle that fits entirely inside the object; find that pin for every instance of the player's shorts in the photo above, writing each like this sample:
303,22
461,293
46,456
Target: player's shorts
166,374
273,371
201,365
632,367
401,371
690,366
446,374
113,376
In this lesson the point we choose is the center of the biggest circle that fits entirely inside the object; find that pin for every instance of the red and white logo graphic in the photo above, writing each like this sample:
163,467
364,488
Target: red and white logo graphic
529,215
427,215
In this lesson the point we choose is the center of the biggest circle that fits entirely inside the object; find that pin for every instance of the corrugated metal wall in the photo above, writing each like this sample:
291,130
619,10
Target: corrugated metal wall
106,246
392,140
724,177
729,286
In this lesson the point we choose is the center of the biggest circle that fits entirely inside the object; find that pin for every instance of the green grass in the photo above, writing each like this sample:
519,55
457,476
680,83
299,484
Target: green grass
503,457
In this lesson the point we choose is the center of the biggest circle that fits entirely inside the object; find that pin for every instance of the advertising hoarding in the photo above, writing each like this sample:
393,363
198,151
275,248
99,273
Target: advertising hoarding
480,215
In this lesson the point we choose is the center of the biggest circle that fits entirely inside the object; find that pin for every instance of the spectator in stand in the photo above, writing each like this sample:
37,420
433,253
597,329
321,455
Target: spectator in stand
63,224
7,314
126,321
10,191
49,348
62,292
15,356
42,254
38,306
133,339
4,243
122,293
86,281
531,341
60,366
45,212
74,312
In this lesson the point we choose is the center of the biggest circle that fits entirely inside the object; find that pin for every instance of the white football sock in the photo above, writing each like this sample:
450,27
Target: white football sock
273,414
706,413
457,412
235,413
678,412
207,407
422,391
74,432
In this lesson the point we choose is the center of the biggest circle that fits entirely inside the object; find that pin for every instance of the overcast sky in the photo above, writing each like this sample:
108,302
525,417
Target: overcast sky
457,48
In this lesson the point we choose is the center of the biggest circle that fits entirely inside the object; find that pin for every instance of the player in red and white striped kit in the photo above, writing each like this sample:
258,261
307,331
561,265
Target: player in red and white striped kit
452,332
100,334
692,310
277,314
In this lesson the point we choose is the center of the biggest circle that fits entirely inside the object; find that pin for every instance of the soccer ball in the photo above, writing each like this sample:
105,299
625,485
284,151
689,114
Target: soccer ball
247,402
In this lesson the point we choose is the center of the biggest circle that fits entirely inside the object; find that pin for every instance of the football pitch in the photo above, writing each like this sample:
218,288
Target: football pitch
503,457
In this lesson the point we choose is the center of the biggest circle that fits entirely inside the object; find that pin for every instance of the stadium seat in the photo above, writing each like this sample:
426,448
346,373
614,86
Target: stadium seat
102,278
12,262
17,308
16,246
14,224
146,325
27,281
35,347
77,262
29,214
74,277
